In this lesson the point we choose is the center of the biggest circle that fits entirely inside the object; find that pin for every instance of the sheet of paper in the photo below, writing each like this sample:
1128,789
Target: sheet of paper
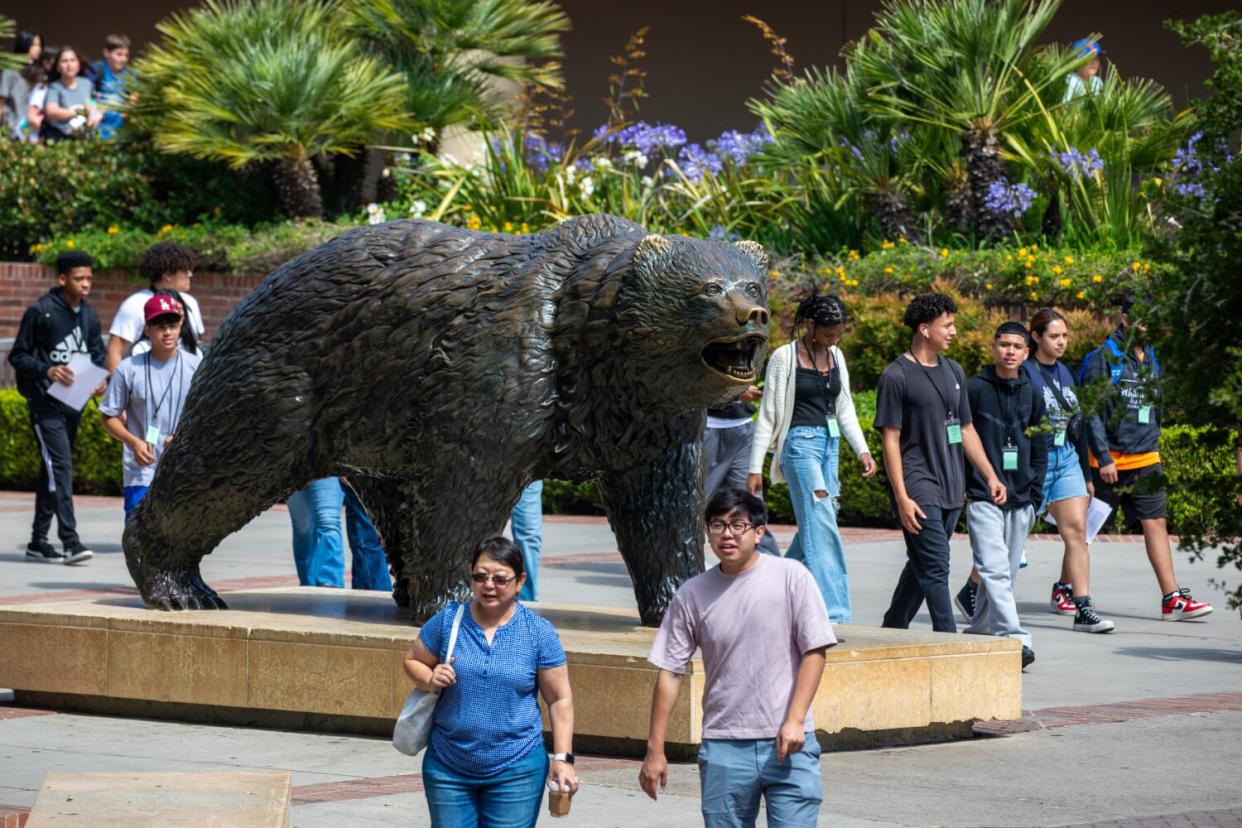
1097,513
86,378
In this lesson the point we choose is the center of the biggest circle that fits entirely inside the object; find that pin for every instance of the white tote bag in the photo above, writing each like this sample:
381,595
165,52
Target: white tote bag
414,724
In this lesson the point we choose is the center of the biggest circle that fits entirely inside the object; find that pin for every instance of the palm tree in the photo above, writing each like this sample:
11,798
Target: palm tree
9,60
968,68
447,50
267,81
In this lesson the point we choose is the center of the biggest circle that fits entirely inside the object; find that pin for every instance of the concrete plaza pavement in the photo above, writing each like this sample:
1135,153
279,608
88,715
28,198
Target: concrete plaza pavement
1088,752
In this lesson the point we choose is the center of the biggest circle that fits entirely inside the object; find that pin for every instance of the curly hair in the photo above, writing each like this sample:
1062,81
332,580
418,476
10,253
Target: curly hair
163,258
926,307
827,310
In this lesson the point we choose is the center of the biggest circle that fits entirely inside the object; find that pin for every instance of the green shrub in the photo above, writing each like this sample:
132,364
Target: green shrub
96,455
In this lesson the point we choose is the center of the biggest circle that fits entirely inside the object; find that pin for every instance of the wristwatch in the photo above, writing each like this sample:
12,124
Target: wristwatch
567,758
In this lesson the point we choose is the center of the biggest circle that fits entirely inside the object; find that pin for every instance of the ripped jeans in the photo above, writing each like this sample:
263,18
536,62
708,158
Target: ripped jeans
809,461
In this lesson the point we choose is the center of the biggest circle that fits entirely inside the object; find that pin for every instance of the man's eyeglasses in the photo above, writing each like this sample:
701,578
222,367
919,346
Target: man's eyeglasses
498,580
737,527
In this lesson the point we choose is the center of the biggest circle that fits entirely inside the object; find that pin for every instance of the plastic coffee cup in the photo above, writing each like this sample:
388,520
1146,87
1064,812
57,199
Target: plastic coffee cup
558,800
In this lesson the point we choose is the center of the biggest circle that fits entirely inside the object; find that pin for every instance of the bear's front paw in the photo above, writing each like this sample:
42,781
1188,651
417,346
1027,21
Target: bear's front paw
182,590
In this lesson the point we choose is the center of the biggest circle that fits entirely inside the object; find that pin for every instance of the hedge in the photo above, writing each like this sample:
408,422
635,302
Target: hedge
1199,462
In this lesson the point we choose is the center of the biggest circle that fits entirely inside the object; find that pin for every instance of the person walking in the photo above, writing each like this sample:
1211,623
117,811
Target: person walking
526,523
923,411
1005,406
727,441
1123,438
58,325
485,764
165,266
764,631
1084,81
806,411
318,548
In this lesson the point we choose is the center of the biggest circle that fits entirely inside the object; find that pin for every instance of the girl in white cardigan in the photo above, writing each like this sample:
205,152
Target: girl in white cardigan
807,408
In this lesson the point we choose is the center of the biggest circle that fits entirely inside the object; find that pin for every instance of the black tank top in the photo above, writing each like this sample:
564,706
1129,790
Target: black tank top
815,396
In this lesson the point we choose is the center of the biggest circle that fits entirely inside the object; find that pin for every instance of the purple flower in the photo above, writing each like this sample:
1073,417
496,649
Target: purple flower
696,161
1078,164
740,147
1008,199
719,233
645,137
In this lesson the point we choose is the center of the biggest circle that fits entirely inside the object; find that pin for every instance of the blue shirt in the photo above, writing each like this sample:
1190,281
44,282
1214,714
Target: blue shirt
490,718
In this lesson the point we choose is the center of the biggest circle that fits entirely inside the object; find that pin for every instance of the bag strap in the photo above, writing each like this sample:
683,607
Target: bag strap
453,635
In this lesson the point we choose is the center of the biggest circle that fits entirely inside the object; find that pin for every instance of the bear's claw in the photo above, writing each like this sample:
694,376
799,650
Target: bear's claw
183,590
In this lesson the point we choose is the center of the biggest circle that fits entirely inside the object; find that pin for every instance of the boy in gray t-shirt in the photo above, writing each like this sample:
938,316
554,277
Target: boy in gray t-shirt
150,389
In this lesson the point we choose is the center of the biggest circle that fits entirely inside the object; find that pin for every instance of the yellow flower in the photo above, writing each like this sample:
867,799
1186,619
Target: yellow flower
1136,266
1056,270
508,227
473,222
888,245
888,271
1021,252
525,227
215,211
774,274
1034,296
853,255
1159,182
854,283
69,244
944,252
1030,263
113,230
902,240
1069,260
1097,278
1082,294
988,286
1147,268
840,273
1008,257
1065,283
466,208
1034,246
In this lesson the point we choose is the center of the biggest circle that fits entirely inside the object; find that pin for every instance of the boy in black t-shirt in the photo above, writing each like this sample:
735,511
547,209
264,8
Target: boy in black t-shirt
923,411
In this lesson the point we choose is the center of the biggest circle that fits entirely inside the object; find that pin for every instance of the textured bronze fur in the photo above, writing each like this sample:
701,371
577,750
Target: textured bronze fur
441,371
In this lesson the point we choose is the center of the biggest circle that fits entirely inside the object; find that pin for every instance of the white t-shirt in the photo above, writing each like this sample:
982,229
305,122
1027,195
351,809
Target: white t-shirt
129,322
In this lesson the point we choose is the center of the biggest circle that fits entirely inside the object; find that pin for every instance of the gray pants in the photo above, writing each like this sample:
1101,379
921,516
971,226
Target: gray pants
996,540
726,459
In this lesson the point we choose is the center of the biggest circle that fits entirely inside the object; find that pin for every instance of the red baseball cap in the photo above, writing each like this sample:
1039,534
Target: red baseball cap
161,305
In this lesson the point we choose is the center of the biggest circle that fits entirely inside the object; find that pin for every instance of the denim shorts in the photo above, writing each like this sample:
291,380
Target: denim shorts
1064,478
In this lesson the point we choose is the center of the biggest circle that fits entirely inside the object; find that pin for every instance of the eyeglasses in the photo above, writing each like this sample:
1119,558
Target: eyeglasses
738,527
498,580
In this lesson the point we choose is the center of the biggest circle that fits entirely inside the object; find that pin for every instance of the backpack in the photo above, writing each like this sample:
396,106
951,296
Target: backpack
1117,365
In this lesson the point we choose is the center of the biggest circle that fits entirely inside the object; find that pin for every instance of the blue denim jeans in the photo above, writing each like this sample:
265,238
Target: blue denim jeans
133,495
509,799
318,550
734,773
369,564
809,460
527,520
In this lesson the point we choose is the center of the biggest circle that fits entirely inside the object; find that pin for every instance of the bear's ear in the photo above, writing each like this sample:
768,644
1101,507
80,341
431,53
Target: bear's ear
755,252
652,256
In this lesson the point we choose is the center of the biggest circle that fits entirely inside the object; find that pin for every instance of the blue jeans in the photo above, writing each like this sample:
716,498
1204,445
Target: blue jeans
509,799
809,460
527,520
133,495
318,551
369,567
733,773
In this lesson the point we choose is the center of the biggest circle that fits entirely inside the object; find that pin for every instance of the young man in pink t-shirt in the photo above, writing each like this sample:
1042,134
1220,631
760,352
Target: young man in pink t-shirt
763,630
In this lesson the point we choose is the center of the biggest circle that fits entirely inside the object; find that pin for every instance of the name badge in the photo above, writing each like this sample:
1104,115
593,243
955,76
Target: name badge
1009,458
1059,439
1144,414
153,435
953,428
834,428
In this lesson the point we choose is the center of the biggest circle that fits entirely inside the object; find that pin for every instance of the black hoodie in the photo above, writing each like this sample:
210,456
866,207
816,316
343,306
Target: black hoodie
1004,410
1135,384
50,333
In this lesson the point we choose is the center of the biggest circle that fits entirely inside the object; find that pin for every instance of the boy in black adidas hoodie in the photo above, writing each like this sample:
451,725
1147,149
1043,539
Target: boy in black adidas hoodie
1006,406
58,325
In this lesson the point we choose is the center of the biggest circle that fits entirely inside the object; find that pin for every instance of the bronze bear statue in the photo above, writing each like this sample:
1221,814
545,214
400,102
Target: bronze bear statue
441,371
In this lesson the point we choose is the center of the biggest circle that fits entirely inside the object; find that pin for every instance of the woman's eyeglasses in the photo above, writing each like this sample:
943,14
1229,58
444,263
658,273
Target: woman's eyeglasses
498,580
737,527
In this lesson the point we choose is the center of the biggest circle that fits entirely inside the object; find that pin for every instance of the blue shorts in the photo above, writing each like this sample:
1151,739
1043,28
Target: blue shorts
734,773
133,494
1064,479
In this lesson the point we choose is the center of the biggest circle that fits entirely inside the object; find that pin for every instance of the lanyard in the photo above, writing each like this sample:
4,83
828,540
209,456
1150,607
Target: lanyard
827,380
949,410
1007,414
158,400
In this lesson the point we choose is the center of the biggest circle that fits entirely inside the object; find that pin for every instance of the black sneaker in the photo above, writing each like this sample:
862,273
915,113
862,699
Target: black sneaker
1028,656
43,551
1088,620
76,553
965,600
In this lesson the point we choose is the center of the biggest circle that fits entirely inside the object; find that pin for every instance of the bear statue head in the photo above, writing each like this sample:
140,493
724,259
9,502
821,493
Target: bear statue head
696,312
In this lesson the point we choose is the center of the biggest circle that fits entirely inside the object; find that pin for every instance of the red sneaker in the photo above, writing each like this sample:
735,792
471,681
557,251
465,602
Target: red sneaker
1180,606
1062,602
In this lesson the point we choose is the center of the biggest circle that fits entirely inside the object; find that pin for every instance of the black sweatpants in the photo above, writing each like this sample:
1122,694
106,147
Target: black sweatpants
55,433
926,574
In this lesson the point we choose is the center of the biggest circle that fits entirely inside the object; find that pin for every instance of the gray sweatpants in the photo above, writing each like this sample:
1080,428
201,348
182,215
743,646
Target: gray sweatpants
996,540
726,458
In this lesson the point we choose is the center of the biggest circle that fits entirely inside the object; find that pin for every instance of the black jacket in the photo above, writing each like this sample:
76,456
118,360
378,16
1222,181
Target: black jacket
1005,410
49,335
1116,424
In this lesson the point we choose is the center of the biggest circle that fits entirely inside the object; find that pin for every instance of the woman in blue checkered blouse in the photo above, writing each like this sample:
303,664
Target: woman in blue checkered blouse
485,764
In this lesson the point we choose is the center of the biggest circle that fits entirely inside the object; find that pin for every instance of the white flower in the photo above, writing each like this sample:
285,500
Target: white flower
571,172
449,160
647,181
375,214
587,185
418,208
636,158
601,162
425,137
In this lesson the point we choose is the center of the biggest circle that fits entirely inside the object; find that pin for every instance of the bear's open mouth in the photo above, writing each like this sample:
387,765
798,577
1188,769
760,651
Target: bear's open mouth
733,358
